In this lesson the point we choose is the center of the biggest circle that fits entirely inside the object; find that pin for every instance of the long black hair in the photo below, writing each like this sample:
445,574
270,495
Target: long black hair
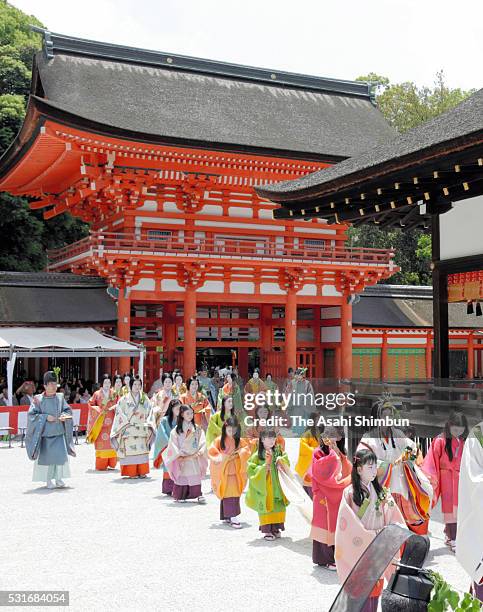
265,433
222,412
231,422
190,380
457,419
363,457
315,430
339,443
170,411
179,422
376,412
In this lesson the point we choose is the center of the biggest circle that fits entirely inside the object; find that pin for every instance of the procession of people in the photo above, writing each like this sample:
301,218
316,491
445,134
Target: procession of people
184,429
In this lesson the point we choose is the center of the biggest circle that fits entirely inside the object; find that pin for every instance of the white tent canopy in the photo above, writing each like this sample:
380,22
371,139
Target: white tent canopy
62,342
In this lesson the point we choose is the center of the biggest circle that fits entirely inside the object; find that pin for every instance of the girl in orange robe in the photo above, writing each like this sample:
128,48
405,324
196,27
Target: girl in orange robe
102,406
198,402
228,457
262,413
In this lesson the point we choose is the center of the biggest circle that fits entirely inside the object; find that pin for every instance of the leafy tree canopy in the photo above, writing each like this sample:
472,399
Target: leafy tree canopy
405,106
25,235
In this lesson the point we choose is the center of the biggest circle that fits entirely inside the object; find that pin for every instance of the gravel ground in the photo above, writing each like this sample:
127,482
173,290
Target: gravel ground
119,544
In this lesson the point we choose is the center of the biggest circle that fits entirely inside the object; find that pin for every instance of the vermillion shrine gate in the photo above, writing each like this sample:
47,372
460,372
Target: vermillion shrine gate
161,154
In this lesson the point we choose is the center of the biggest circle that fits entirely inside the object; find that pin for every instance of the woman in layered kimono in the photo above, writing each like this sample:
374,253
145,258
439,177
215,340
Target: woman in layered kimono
442,466
265,494
117,386
231,389
217,420
49,438
228,457
199,402
179,388
163,431
102,407
398,468
309,441
255,384
161,398
366,508
126,384
252,434
469,537
133,431
185,457
330,473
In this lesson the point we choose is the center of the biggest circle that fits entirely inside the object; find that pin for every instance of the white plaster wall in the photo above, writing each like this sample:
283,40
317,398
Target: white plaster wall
242,287
330,334
271,289
212,287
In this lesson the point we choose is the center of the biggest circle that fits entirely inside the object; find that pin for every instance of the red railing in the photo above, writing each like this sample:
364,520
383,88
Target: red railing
99,244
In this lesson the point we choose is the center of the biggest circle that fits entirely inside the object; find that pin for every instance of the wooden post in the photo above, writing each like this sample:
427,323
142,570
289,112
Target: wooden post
440,307
189,359
171,334
337,362
243,362
266,335
124,324
291,330
384,363
429,356
346,339
470,374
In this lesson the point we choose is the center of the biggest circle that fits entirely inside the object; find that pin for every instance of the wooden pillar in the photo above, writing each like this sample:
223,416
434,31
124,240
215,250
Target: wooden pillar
171,334
346,339
124,324
189,322
291,330
429,356
384,360
243,362
44,366
265,334
337,363
440,306
470,374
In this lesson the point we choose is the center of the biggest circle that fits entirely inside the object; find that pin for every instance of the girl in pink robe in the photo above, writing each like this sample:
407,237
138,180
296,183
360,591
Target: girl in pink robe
442,466
185,457
330,474
366,508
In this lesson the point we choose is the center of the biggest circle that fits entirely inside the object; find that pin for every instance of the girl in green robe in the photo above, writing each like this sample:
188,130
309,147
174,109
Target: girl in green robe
265,494
231,389
217,420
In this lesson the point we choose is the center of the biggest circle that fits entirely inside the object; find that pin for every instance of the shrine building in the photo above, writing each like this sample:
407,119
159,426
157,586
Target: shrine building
161,155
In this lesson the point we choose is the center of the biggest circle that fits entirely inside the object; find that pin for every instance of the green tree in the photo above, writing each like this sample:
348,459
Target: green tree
405,106
25,235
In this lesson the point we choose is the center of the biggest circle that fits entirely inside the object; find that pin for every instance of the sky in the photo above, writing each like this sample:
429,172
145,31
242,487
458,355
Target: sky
405,40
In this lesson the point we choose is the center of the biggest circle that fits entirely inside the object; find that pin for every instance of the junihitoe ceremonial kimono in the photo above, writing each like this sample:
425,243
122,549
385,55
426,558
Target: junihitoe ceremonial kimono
228,470
186,461
330,475
163,433
200,405
409,486
444,476
308,444
132,434
265,494
233,390
357,527
469,538
49,443
101,416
